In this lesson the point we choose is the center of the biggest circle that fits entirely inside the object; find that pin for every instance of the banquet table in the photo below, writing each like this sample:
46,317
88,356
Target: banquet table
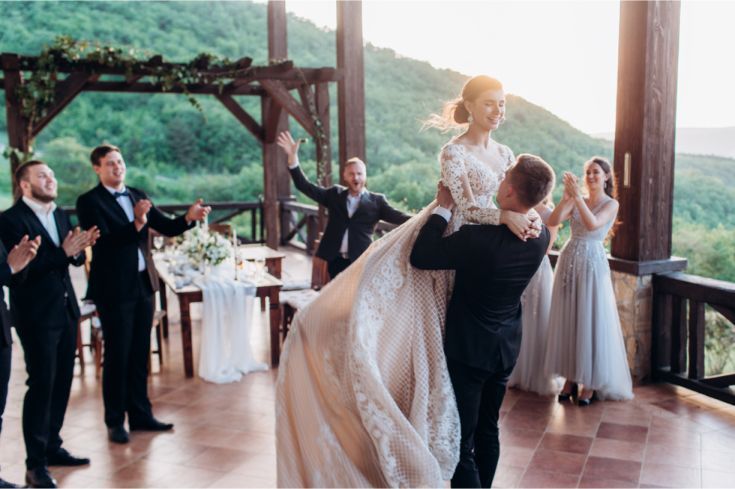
267,286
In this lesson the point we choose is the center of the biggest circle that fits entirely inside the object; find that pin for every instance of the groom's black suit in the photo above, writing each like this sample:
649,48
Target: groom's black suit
483,328
373,207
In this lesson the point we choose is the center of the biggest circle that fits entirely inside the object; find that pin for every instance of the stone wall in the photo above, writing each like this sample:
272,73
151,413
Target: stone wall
635,301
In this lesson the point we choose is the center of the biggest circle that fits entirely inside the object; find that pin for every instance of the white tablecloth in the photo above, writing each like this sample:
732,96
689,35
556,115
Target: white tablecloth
227,312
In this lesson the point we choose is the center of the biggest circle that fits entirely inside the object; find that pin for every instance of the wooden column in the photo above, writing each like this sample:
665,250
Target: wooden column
19,130
276,179
351,88
645,128
323,149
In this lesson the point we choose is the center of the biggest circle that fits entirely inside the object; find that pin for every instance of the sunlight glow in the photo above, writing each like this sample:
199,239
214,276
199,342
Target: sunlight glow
561,55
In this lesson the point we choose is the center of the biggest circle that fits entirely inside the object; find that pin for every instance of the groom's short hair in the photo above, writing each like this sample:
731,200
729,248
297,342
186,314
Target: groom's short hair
100,152
532,179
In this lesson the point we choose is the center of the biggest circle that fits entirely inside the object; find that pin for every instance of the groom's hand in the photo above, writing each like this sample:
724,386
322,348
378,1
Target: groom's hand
444,197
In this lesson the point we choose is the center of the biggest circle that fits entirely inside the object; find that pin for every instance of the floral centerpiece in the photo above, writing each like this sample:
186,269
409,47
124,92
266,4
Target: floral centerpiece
204,248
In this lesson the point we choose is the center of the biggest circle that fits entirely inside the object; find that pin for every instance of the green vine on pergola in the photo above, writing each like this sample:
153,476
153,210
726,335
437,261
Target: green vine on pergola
38,92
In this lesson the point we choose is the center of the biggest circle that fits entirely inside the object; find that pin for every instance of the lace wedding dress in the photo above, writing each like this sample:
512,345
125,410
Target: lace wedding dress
363,393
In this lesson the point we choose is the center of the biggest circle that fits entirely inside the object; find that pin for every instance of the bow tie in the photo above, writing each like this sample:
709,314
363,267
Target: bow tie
121,194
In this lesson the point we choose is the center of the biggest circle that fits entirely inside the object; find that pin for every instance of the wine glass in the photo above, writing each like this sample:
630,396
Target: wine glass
158,242
260,267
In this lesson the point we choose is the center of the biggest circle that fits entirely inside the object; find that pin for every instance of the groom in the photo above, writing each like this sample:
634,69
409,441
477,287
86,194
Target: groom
483,328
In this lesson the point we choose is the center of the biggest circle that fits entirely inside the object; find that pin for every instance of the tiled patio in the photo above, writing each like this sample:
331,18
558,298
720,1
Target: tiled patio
666,437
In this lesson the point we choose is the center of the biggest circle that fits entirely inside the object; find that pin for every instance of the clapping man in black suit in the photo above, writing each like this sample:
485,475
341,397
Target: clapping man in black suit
483,328
122,283
353,211
45,312
10,263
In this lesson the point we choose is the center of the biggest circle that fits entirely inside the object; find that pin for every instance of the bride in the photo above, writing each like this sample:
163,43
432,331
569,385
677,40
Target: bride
363,393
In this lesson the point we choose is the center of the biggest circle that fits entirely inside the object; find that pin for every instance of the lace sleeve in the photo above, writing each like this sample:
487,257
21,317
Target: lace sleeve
454,176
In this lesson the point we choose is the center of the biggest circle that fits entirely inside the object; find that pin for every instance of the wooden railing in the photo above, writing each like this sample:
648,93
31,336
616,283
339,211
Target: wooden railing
222,212
303,227
678,336
299,225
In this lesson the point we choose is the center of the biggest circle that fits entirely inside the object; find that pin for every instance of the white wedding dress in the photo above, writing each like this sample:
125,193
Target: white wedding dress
363,393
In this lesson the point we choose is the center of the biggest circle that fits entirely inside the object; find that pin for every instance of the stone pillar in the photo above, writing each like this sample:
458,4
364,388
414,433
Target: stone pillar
634,295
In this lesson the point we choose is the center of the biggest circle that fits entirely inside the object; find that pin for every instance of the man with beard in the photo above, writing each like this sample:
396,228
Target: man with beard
122,282
353,211
45,312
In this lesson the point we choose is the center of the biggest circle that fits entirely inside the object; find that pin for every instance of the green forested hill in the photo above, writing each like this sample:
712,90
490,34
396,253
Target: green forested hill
177,153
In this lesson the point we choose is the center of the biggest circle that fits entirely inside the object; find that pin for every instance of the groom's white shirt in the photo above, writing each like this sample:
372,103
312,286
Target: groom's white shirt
445,213
352,204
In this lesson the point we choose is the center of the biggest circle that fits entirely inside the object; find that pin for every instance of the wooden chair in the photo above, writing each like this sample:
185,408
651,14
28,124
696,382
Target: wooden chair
88,312
96,340
293,300
221,228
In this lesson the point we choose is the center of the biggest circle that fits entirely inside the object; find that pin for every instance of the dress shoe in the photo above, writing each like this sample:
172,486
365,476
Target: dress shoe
565,396
39,477
63,458
117,434
4,484
586,402
150,425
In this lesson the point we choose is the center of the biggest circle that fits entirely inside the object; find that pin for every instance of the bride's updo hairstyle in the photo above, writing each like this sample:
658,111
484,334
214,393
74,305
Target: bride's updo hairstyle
454,113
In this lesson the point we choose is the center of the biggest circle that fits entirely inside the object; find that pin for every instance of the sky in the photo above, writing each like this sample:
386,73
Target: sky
561,55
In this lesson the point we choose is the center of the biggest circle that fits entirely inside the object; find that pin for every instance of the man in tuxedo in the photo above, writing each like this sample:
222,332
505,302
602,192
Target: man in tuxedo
45,312
483,328
122,284
10,263
353,211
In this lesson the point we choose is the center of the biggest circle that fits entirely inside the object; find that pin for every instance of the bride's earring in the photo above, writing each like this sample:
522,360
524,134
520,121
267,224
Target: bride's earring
469,118
501,121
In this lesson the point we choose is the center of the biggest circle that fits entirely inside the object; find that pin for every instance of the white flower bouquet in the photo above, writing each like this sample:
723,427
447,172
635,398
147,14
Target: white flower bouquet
204,248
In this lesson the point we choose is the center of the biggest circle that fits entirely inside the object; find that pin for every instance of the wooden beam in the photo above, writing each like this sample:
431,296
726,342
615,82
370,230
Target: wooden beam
271,212
281,95
323,146
66,91
19,133
351,88
645,128
241,115
147,87
727,312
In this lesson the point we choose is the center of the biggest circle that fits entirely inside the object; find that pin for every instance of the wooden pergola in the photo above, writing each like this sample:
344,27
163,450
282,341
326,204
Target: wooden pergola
273,83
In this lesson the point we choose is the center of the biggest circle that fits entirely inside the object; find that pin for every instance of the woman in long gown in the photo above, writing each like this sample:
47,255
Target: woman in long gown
585,344
363,393
529,374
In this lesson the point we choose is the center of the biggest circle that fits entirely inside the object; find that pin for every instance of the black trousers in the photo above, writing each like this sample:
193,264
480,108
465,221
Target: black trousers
6,354
49,356
479,394
337,266
126,327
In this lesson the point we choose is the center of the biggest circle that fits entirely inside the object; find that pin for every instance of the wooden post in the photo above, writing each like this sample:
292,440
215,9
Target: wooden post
19,130
351,88
278,49
696,339
645,128
678,334
271,162
323,149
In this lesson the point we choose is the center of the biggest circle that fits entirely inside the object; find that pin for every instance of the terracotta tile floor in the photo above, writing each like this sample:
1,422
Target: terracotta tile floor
666,437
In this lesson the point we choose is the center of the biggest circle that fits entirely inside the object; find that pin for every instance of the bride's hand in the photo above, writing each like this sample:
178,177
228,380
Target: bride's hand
521,225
